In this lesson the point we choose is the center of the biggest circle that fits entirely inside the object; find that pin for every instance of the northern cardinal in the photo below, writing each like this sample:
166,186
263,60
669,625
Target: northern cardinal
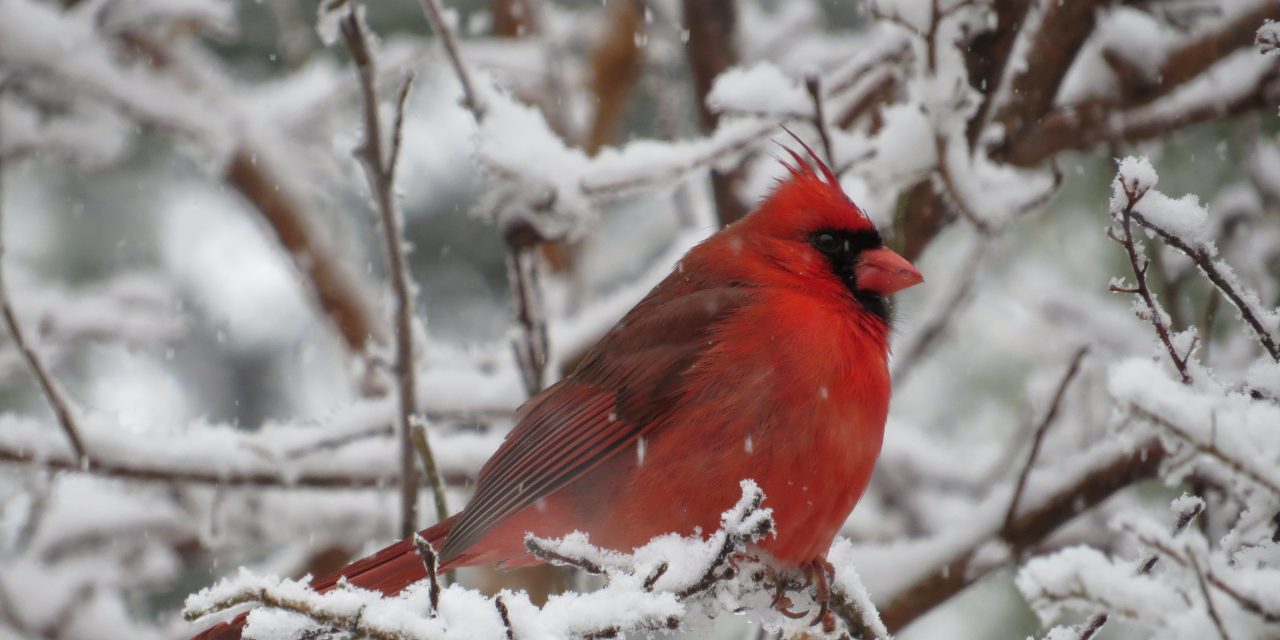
762,356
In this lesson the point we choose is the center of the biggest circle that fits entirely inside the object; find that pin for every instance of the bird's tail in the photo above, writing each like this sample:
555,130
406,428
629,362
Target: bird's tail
388,571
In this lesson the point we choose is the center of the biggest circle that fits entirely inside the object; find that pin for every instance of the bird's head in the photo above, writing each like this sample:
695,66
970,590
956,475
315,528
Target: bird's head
808,233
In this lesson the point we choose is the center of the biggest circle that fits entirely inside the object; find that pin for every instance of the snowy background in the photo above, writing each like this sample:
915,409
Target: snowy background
1086,413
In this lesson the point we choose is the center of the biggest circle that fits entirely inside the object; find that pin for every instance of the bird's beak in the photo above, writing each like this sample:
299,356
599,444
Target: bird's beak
884,272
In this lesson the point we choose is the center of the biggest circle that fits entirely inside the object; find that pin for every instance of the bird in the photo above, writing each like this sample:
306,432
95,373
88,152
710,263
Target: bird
763,355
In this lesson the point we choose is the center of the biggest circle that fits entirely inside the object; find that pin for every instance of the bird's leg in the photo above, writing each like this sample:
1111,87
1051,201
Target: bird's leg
821,574
781,582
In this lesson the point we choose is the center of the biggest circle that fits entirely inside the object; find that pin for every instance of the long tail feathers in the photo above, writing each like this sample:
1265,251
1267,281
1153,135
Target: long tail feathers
388,571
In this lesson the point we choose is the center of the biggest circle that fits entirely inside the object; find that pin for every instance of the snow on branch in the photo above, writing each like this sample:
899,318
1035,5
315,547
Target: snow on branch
1182,224
669,584
1219,440
1268,38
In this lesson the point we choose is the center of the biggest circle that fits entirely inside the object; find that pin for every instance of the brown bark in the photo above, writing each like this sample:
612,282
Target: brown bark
710,50
338,294
512,18
988,54
614,70
1062,31
924,213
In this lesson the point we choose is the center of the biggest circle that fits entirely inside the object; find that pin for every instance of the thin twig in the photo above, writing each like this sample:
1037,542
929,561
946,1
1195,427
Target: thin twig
1164,551
431,562
1209,267
1091,627
379,169
503,613
541,551
59,403
435,16
813,84
1208,449
1208,599
1041,430
1155,314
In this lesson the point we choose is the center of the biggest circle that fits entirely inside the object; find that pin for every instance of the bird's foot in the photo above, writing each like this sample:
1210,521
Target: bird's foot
821,574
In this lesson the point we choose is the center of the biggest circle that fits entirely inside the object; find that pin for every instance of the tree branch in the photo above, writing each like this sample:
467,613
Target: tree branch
710,50
379,169
470,98
1156,315
1026,531
57,402
1041,430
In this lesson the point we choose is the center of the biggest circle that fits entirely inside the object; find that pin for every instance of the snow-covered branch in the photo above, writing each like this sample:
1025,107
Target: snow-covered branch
672,583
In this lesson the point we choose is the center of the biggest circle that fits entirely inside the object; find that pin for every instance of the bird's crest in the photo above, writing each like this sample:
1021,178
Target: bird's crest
809,181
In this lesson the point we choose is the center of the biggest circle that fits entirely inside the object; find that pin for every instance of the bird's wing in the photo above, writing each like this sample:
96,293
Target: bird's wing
623,388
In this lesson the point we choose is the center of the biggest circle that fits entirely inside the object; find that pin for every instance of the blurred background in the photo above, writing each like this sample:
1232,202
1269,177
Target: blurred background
191,248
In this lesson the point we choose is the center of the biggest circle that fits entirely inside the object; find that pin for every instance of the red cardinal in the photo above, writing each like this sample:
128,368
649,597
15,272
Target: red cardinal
762,356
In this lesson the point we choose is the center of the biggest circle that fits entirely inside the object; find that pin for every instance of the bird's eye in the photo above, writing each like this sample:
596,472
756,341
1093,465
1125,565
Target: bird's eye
826,242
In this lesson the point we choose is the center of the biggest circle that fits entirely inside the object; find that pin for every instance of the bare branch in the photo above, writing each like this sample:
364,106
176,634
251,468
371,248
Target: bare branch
57,401
379,169
710,49
531,342
1041,430
470,98
1208,599
813,84
431,561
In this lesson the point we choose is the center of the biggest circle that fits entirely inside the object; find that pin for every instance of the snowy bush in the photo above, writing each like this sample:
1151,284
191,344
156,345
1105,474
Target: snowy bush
276,280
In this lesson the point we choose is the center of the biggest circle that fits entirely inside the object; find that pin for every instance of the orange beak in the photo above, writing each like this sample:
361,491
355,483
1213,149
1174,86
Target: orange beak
884,272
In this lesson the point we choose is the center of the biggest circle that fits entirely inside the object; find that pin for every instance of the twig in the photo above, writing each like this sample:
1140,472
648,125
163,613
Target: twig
379,169
1064,503
531,342
541,551
183,472
1208,599
61,407
813,84
470,98
1040,432
1155,314
431,562
1162,550
505,615
1211,271
1091,627
1208,449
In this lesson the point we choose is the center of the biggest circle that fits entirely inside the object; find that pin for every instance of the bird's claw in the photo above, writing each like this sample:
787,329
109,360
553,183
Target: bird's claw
821,573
